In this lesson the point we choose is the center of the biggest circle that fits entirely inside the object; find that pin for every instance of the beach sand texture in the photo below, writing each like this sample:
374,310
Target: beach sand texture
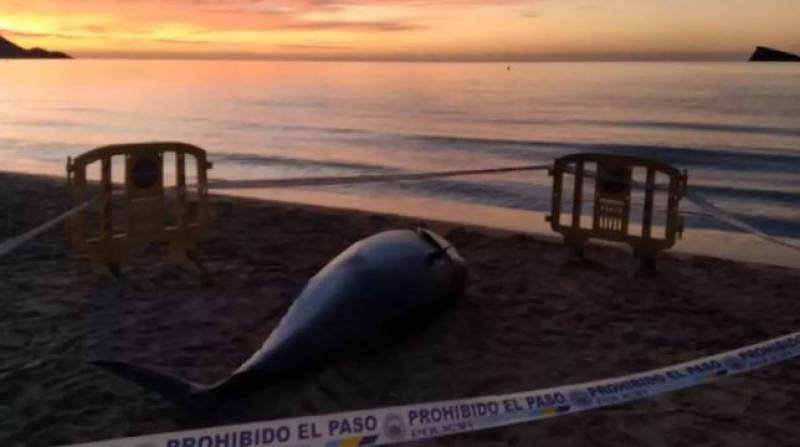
527,321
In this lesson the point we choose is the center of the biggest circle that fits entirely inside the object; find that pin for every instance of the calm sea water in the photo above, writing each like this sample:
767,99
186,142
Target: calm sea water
734,126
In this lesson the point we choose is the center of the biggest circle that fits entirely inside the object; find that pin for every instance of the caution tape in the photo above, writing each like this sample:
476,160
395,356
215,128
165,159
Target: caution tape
391,425
730,219
13,243
361,179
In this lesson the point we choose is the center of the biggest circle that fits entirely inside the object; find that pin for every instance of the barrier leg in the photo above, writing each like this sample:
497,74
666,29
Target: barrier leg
644,263
183,253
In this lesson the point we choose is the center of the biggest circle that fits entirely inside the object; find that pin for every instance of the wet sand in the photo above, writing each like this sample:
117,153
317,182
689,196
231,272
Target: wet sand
527,321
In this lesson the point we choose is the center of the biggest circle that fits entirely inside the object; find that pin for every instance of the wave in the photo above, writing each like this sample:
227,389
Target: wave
298,163
245,125
669,125
293,102
773,226
711,127
759,195
46,150
764,160
43,123
760,161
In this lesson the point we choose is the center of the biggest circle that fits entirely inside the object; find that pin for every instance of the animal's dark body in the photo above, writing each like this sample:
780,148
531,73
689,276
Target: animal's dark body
379,289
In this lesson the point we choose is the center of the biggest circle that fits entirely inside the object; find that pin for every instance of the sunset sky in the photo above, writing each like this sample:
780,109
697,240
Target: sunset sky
442,29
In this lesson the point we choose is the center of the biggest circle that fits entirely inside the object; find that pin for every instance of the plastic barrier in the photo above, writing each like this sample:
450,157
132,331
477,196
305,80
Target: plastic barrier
612,204
144,204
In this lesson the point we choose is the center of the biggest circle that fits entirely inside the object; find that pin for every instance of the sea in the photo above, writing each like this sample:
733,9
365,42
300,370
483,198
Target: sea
734,127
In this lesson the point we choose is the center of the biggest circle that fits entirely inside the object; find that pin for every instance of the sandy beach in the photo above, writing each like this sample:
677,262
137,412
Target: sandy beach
527,321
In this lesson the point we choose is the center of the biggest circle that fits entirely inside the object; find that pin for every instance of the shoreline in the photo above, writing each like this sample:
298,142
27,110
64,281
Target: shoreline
527,321
729,245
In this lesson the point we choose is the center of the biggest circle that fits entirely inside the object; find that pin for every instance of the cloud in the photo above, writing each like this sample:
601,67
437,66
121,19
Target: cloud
230,21
181,41
320,25
324,5
313,47
12,32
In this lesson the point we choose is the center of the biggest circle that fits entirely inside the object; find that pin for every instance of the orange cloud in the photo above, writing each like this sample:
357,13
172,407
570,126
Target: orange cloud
401,27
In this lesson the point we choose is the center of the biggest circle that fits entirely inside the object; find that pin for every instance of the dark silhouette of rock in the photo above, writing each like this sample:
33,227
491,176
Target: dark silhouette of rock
764,54
10,50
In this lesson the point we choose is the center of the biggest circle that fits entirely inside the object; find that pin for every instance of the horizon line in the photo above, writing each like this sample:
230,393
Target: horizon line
489,58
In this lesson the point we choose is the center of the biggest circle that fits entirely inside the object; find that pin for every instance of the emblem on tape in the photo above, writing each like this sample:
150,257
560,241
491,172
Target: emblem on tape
580,398
733,363
394,427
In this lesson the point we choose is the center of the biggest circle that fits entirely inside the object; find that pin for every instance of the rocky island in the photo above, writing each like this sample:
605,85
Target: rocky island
10,50
764,54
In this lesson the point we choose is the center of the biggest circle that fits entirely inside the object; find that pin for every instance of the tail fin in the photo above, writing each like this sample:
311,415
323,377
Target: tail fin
198,400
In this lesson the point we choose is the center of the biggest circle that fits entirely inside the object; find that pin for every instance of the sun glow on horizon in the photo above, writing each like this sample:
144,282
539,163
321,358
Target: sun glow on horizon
395,28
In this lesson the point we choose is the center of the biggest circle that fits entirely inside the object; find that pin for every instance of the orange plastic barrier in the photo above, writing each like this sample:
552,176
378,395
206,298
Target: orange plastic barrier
612,205
146,217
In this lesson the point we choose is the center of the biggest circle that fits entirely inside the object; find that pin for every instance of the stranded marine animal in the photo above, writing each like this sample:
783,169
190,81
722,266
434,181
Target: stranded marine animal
378,289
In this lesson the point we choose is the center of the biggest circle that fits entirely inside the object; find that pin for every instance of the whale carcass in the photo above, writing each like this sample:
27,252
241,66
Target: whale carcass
376,291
